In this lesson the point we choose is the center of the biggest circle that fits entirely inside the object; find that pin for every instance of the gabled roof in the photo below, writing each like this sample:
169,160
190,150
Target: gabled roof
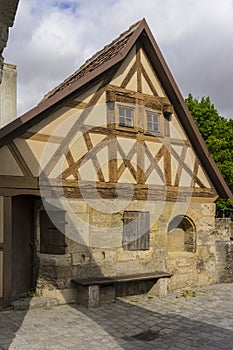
100,63
100,58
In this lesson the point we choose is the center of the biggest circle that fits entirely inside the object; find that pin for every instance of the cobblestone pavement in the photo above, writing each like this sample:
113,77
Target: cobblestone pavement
196,319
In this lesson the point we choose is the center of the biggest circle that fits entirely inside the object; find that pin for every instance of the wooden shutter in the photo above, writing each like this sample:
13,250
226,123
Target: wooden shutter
52,240
143,223
136,230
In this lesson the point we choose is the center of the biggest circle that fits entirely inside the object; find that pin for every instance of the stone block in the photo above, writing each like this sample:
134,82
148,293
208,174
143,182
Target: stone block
80,258
78,228
223,229
125,255
55,260
98,256
110,255
117,220
89,296
208,209
206,224
105,237
107,295
78,206
179,281
128,267
63,296
160,240
160,288
98,219
75,247
144,254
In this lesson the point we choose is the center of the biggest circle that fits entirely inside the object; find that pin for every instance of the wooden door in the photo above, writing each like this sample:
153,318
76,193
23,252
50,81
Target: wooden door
23,245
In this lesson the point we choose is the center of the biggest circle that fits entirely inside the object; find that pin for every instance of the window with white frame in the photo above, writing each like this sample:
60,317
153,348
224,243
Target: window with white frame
126,116
153,121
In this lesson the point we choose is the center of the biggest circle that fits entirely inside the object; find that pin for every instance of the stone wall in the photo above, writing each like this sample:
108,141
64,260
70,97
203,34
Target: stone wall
224,249
96,258
196,268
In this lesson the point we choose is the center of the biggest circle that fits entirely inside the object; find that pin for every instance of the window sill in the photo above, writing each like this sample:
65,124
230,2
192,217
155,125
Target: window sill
153,134
126,129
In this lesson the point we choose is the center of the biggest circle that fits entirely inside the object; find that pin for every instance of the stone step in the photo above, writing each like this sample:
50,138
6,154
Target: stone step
34,303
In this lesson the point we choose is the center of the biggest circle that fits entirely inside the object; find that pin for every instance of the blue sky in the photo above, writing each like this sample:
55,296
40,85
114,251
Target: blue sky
52,38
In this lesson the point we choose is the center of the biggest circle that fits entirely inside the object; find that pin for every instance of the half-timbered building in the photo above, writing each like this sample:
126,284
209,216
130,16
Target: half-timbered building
107,176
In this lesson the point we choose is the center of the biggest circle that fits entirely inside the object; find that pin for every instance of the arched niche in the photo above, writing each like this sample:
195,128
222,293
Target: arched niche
181,234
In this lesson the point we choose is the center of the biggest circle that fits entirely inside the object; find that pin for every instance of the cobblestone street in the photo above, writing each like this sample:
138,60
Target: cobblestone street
193,319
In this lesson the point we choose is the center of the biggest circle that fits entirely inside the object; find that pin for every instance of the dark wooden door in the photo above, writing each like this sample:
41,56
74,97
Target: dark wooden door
23,244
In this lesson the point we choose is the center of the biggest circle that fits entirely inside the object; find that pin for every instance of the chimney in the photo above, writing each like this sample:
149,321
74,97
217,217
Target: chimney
8,94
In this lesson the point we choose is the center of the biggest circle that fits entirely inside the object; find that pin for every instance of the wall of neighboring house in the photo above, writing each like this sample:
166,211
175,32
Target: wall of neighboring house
7,104
224,249
8,94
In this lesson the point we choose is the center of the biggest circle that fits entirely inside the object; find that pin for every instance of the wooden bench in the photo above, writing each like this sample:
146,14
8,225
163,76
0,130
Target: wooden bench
89,288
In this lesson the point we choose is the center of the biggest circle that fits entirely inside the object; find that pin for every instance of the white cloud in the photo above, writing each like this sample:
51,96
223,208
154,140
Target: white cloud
52,38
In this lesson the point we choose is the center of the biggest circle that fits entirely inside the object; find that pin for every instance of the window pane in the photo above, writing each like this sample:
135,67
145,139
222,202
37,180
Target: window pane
126,116
121,112
153,121
149,126
149,117
129,121
122,121
128,113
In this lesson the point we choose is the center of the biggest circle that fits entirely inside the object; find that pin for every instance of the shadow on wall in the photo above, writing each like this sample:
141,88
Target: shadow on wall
28,272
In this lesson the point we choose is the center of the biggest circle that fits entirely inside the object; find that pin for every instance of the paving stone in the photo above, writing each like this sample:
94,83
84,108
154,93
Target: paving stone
203,322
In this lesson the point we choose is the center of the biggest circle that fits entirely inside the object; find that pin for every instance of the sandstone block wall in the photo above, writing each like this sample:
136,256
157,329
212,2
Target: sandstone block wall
87,255
224,249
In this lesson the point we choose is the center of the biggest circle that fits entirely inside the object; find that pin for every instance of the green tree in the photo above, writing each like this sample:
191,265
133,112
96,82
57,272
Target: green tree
217,133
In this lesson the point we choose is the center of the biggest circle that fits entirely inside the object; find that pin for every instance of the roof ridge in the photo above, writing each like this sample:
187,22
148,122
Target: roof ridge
92,60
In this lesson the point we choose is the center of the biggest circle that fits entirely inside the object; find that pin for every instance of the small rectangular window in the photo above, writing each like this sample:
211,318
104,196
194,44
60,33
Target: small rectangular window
136,230
126,116
153,119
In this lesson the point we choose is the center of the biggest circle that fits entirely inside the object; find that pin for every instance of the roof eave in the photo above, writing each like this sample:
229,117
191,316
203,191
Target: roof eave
9,129
188,123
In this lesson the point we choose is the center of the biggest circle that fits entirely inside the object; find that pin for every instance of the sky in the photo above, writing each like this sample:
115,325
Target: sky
52,38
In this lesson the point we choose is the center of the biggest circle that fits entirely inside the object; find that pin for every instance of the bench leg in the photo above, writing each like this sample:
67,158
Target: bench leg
93,296
89,296
159,289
